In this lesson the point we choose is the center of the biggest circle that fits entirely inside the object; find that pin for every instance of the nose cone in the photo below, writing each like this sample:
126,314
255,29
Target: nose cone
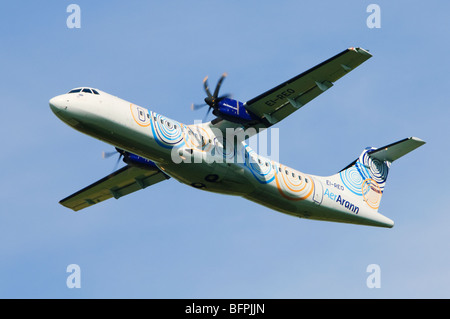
58,104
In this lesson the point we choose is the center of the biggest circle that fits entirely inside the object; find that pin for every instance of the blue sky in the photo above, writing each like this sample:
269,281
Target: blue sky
172,241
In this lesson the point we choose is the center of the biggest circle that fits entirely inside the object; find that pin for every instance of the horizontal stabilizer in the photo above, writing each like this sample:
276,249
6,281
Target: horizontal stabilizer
396,150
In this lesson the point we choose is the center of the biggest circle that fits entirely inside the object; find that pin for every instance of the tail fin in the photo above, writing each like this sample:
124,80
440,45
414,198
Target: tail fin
366,176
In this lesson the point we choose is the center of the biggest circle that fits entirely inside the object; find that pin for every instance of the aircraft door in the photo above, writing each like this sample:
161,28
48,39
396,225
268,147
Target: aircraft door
318,192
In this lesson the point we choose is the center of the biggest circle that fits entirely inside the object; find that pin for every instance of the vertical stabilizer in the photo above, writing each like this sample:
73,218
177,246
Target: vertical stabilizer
366,176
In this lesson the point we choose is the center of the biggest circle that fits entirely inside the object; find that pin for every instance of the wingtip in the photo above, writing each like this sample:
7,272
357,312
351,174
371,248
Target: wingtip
363,51
417,139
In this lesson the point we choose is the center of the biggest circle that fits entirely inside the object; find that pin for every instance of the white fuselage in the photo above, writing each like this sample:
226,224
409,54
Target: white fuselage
195,155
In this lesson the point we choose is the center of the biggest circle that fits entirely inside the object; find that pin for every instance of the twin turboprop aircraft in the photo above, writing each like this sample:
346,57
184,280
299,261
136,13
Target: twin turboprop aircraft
156,148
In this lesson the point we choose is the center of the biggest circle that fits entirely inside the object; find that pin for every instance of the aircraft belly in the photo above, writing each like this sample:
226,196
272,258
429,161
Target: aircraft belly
269,199
224,178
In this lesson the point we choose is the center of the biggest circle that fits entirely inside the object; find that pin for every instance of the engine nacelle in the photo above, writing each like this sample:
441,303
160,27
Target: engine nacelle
233,111
135,160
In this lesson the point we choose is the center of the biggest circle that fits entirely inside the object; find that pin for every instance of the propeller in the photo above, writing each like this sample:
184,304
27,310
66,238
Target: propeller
109,154
211,99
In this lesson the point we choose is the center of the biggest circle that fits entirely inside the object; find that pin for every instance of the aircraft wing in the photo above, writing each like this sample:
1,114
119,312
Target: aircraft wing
119,183
284,99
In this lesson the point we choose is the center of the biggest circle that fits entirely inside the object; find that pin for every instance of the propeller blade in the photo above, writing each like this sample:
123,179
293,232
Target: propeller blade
108,154
117,163
207,113
219,83
195,107
205,84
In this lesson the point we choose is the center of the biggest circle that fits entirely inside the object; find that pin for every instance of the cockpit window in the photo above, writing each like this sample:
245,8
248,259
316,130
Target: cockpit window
84,90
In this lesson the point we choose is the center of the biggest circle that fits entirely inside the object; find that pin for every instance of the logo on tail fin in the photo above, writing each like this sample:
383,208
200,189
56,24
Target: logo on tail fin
366,178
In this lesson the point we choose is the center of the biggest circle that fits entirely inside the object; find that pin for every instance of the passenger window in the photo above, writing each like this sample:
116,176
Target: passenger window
306,180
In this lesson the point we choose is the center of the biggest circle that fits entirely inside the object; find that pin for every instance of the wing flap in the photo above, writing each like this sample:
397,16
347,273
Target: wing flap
284,99
120,183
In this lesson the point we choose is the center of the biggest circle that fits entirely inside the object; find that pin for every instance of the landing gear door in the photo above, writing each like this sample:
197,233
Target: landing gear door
318,191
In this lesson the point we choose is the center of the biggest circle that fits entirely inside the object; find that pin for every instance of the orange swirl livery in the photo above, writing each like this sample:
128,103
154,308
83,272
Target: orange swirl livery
295,188
213,155
140,115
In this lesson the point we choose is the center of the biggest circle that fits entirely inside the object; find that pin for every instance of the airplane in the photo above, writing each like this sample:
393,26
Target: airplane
208,157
